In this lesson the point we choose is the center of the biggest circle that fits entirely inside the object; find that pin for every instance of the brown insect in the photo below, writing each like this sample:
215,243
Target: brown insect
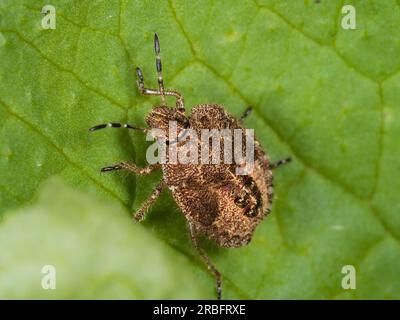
215,201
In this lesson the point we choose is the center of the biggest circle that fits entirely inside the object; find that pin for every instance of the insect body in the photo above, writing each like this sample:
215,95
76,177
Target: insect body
216,202
224,206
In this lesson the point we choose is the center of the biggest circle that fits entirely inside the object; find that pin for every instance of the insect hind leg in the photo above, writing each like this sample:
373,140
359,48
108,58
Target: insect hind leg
206,259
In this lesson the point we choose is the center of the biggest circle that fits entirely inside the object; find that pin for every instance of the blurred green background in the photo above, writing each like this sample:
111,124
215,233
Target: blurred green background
326,96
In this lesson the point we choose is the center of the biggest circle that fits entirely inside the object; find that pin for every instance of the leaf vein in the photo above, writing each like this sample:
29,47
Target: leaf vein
62,69
52,144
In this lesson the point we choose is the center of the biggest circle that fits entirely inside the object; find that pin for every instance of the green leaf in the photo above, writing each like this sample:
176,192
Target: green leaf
323,95
96,250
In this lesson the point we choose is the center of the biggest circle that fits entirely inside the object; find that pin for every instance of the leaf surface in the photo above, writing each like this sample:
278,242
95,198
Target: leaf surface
325,96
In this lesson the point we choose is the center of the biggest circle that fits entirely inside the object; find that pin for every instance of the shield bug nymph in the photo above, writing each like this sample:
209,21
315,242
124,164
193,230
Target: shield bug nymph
215,200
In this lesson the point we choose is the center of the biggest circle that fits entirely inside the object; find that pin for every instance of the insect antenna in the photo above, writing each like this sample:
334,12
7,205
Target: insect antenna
159,68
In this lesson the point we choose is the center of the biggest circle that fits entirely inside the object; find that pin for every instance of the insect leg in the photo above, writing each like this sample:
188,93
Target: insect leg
154,92
279,163
246,113
206,259
132,167
116,125
138,216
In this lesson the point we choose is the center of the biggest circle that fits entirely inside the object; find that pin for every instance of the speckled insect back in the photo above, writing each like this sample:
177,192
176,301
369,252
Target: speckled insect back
219,203
215,200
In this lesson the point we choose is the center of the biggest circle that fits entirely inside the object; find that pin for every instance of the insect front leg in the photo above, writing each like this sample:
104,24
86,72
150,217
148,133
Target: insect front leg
139,215
132,168
206,259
